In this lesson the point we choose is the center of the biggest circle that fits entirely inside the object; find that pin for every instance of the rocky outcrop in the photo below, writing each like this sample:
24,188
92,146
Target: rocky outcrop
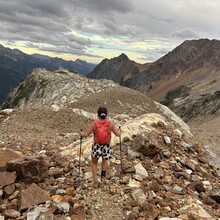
137,130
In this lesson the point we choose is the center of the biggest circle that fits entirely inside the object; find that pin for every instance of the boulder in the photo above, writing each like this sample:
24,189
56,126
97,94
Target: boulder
33,195
215,194
7,178
147,144
6,156
28,169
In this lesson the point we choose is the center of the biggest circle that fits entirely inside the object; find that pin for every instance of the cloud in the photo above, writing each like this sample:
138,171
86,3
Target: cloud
185,34
82,26
120,6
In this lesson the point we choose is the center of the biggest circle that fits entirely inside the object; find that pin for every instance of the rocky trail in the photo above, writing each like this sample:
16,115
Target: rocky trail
164,176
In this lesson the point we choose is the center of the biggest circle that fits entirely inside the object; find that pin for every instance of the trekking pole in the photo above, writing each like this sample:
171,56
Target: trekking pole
120,151
80,148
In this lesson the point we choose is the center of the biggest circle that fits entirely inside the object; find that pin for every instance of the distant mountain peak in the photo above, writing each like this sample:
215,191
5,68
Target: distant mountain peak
124,56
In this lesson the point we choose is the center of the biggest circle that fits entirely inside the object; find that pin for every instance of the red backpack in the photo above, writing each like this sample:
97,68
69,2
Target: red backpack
102,136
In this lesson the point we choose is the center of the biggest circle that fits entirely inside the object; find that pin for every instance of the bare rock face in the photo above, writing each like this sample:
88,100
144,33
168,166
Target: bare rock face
28,169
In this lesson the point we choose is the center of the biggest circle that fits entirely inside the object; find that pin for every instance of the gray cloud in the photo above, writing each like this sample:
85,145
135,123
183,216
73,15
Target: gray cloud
69,25
185,34
121,6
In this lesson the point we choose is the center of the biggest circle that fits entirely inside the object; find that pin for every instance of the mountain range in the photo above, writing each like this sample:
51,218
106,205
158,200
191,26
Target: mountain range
187,79
15,65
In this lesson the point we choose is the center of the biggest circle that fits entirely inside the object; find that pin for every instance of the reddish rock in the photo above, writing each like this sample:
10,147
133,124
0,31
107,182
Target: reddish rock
12,204
7,178
78,213
132,216
6,156
177,168
197,186
28,169
11,214
151,211
195,217
8,190
33,195
155,186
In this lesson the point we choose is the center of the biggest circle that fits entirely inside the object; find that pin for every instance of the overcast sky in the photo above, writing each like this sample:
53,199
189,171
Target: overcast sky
92,30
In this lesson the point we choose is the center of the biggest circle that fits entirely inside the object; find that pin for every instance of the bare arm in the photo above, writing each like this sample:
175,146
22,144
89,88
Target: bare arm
116,131
88,131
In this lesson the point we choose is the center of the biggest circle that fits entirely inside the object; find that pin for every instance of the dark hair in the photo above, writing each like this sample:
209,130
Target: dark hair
102,112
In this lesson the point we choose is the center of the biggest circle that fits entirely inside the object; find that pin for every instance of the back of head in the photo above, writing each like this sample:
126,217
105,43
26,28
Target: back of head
102,112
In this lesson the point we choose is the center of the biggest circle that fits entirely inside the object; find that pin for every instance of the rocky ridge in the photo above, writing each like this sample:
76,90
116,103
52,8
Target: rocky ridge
161,172
63,89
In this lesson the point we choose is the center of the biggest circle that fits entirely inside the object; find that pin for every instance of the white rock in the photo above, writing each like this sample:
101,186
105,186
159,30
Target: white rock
134,183
140,170
196,209
88,175
63,206
55,107
7,111
188,171
167,140
139,195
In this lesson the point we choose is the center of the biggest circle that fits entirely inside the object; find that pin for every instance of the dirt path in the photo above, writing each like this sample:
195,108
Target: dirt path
106,203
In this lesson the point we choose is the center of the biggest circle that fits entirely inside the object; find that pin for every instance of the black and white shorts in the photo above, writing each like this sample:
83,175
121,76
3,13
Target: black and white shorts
102,150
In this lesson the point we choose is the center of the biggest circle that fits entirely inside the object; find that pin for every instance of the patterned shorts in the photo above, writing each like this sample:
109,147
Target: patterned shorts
102,150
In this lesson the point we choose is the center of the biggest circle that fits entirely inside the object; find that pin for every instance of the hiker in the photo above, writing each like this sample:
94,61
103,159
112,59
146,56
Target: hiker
101,147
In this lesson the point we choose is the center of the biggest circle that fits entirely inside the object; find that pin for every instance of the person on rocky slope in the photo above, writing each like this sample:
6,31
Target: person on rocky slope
101,147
